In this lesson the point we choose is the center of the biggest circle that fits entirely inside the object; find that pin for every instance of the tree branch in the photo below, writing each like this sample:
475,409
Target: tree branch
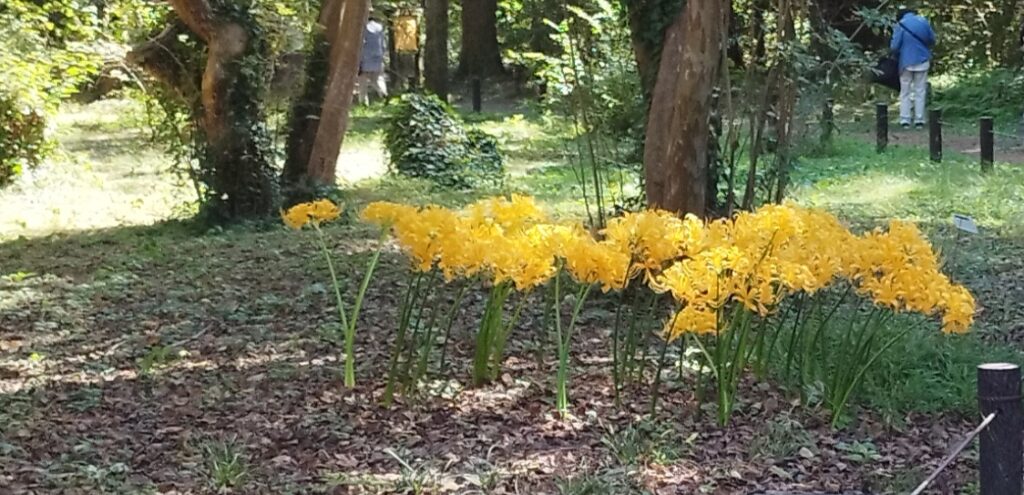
197,15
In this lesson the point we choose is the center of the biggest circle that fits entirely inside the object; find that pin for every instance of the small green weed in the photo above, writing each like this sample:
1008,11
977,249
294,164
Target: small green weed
782,437
859,452
226,463
644,442
611,482
85,399
155,358
414,480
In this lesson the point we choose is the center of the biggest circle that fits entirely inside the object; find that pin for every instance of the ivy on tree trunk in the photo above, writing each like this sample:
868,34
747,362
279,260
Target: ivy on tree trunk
228,110
319,118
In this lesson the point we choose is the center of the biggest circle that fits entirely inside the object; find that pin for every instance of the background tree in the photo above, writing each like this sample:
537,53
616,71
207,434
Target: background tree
320,116
480,55
676,145
435,50
235,148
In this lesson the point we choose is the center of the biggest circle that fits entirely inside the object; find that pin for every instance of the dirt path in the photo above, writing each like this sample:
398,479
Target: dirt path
956,139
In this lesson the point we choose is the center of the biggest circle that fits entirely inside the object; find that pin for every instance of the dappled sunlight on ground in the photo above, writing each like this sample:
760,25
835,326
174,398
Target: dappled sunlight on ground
105,174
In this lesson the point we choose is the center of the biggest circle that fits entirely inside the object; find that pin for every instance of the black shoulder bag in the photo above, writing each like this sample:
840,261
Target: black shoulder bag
887,70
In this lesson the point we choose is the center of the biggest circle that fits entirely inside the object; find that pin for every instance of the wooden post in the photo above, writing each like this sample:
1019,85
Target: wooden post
881,126
827,121
477,96
1001,459
987,140
935,135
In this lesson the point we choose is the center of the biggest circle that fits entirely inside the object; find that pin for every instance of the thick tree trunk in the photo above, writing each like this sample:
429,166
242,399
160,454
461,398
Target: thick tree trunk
480,55
237,154
435,50
320,117
675,154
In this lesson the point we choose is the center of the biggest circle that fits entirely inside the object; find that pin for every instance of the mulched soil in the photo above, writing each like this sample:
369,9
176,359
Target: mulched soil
125,355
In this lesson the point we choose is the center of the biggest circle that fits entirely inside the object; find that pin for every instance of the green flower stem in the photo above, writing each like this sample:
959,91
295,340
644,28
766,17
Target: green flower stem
564,343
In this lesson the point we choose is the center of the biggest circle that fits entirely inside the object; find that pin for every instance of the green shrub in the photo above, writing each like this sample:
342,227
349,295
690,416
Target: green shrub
23,142
426,139
998,93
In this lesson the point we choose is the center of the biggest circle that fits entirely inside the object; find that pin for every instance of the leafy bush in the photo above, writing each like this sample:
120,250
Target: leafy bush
426,139
23,141
998,93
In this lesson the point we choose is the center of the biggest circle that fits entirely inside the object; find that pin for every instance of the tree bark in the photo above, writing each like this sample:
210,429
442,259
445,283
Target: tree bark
236,152
675,154
480,55
319,119
435,49
1004,47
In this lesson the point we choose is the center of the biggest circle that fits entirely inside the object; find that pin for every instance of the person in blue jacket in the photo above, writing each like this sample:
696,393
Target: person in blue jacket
913,39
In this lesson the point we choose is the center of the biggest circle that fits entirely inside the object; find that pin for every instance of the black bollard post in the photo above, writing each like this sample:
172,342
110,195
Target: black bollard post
827,121
1001,453
935,135
928,95
987,140
881,126
477,96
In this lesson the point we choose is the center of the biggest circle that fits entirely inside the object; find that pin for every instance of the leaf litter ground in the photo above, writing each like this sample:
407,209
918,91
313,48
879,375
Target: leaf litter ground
126,354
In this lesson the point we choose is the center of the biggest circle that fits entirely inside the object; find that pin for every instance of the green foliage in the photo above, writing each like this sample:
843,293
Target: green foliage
780,438
644,442
23,142
426,139
996,93
592,82
226,464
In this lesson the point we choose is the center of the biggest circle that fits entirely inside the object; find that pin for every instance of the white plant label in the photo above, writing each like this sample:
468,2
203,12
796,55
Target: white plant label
965,223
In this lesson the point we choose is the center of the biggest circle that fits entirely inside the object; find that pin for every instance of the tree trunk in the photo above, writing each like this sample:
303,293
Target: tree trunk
675,154
237,151
319,119
480,55
435,50
1004,48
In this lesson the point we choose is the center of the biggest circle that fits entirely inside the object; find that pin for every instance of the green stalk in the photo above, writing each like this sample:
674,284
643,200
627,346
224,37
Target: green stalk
794,335
761,369
616,376
334,275
562,401
350,332
860,375
656,381
489,324
682,358
737,366
403,326
643,338
425,345
629,349
860,348
448,326
498,349
417,327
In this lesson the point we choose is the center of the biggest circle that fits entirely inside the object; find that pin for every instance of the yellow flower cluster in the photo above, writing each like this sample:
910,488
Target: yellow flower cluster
758,258
315,212
754,259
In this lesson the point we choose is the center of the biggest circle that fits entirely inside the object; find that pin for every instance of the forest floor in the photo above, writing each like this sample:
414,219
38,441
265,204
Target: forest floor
139,357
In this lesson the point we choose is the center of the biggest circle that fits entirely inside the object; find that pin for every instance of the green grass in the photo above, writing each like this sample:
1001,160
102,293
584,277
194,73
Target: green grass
855,181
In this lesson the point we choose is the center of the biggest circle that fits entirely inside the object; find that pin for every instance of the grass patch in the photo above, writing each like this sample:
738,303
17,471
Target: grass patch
858,183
